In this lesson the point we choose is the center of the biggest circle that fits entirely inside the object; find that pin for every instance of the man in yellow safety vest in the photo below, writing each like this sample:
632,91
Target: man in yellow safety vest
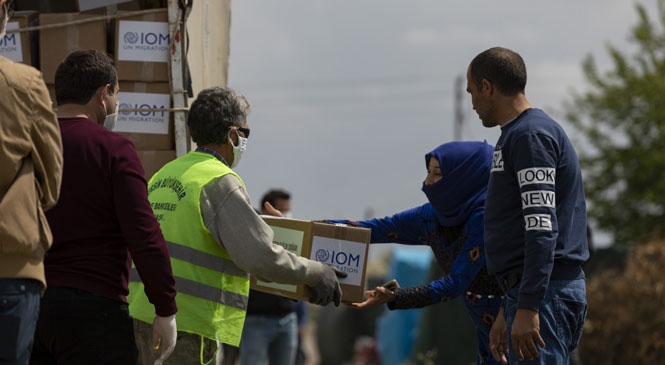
215,237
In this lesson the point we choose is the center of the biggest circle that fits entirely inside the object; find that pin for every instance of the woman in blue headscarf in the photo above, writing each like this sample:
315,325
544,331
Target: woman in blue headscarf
451,223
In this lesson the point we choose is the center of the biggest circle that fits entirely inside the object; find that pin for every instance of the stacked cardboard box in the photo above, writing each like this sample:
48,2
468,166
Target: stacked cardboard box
56,43
83,5
65,6
153,160
19,46
151,130
140,45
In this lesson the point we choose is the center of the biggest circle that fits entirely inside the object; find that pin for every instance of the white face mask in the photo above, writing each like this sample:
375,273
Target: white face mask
239,149
109,121
3,22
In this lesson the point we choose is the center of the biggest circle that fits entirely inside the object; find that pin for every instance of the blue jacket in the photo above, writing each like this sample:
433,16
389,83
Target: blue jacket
459,252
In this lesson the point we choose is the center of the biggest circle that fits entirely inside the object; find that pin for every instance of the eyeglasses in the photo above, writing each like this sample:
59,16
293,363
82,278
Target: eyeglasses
244,131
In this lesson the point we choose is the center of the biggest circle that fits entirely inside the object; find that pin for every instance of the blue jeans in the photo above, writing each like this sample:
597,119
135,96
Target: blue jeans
77,327
269,340
19,310
562,313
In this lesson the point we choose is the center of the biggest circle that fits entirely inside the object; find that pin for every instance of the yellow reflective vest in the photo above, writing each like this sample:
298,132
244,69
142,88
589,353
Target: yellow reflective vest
212,290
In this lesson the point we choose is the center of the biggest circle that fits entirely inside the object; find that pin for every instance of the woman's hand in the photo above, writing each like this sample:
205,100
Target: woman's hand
376,297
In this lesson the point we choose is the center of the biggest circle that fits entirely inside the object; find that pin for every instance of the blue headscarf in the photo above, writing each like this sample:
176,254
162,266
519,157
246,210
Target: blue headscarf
465,170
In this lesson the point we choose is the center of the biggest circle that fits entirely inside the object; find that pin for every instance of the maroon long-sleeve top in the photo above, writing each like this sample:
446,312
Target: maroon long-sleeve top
103,215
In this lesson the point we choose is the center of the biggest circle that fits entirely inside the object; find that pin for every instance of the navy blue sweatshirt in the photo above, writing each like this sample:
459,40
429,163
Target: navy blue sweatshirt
535,212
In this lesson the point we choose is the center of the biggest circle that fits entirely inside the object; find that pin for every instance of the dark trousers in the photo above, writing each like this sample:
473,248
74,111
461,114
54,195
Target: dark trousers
19,308
77,327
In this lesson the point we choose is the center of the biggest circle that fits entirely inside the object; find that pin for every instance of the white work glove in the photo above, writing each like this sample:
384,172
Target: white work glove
164,333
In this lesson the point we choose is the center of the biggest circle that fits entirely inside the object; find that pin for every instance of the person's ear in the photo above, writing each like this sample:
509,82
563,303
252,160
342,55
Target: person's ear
233,135
487,86
100,94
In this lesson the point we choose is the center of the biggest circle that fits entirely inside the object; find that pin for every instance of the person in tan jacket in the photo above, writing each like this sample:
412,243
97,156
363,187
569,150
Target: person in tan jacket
30,174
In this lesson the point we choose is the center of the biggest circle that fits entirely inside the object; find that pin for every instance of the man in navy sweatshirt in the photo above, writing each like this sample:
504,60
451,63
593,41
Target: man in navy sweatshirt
535,218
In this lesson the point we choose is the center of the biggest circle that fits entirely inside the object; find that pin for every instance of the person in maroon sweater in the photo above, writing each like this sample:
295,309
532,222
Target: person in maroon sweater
103,216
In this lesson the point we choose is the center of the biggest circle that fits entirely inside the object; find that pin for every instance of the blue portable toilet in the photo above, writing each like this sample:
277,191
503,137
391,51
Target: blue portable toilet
397,330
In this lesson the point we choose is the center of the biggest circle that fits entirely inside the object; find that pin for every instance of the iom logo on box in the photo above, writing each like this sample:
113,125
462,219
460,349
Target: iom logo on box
143,41
144,119
347,256
131,37
148,114
146,41
10,44
348,260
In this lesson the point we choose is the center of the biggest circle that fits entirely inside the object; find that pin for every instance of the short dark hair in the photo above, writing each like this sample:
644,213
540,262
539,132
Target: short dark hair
273,195
80,74
502,67
214,112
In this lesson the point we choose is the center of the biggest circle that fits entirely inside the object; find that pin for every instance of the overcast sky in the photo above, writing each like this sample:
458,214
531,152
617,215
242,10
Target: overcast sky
348,96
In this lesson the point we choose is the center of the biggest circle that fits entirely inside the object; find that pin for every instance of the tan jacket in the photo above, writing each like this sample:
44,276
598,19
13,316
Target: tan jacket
30,170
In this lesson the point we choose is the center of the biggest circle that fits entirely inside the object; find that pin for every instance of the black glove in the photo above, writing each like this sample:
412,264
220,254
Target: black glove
327,289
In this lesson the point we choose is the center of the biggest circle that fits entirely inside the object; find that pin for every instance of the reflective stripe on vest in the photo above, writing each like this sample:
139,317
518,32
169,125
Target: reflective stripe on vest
201,290
206,260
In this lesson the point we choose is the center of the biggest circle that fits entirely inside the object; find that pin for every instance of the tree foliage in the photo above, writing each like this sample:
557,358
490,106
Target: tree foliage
622,119
625,322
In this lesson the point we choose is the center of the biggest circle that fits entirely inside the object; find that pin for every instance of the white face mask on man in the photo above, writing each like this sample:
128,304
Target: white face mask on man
109,121
239,149
287,214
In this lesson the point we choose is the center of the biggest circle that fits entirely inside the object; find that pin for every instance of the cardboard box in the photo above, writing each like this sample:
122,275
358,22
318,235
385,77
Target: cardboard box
36,5
74,6
133,5
64,6
142,47
154,160
149,130
21,46
153,4
57,43
344,247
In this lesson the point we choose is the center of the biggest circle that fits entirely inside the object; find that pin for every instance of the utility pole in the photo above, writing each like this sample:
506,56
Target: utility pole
459,114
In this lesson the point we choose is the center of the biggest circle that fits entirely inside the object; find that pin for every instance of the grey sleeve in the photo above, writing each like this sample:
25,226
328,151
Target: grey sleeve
235,225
